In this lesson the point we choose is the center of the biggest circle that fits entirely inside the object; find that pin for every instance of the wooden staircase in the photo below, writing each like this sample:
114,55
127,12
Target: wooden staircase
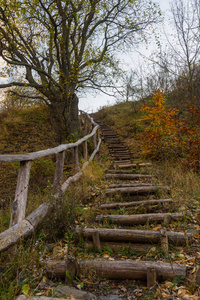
131,190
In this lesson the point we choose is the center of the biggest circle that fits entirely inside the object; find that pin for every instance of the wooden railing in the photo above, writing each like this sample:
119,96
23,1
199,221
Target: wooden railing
21,226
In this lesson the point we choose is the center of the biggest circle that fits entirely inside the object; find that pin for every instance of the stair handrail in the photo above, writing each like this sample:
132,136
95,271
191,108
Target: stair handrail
21,226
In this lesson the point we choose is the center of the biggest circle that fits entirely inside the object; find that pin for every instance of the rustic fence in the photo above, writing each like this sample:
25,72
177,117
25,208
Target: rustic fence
21,226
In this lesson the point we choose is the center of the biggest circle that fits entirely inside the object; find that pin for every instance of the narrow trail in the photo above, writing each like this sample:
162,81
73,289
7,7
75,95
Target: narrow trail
137,216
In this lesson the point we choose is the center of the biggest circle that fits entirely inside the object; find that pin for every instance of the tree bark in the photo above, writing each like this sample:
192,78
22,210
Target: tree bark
64,117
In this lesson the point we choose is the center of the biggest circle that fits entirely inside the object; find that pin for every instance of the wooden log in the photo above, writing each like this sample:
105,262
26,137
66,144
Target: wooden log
129,184
60,160
151,277
19,204
21,230
120,269
137,190
96,240
85,150
119,150
71,267
95,140
120,161
120,171
38,215
131,165
117,146
138,219
12,235
136,236
98,134
133,204
127,176
164,241
76,158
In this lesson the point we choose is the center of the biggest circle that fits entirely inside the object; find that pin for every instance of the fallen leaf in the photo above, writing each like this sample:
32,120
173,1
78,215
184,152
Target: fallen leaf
196,236
25,289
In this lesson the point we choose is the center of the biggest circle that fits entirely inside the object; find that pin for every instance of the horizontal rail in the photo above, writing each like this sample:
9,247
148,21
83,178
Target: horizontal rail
44,153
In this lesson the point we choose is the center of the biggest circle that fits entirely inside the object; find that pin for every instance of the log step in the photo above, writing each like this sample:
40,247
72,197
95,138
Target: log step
133,165
129,184
117,269
140,218
140,190
135,203
119,171
119,162
136,236
127,176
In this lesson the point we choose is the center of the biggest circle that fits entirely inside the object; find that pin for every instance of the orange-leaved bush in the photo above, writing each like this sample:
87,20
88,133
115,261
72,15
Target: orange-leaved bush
159,138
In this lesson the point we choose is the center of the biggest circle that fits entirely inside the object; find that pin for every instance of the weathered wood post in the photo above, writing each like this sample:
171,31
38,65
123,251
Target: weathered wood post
95,140
76,158
60,160
98,134
85,150
19,204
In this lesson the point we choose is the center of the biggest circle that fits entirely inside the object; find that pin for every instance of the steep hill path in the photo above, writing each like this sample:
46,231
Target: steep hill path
134,237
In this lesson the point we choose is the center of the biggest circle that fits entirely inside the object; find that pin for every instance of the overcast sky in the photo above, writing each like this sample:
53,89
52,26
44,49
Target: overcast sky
92,103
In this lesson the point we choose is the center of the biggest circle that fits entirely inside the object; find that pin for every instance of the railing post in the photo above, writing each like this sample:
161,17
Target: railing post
76,158
19,204
95,140
98,134
60,160
85,150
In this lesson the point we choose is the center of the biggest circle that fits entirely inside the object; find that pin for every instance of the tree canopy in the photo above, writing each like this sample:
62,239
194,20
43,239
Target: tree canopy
62,47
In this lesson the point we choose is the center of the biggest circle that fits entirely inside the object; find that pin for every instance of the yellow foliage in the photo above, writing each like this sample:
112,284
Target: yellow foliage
160,126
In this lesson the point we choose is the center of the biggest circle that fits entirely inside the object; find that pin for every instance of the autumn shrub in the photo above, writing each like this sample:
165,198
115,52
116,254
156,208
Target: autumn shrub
159,138
166,136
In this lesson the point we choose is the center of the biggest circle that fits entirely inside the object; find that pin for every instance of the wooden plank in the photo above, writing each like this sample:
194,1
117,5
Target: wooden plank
139,218
19,204
60,160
